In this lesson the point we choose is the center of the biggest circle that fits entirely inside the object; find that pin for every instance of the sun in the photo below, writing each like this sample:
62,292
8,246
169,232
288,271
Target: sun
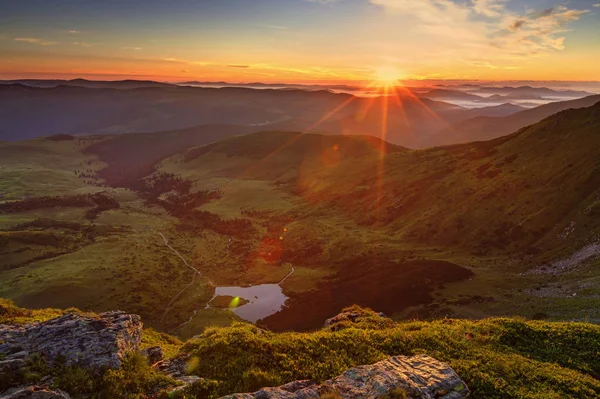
387,76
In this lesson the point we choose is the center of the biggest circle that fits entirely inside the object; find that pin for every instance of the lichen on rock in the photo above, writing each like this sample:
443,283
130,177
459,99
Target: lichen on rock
418,376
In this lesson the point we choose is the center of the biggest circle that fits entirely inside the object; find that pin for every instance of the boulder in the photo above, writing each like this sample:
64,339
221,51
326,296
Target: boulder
174,367
92,342
417,377
154,354
11,366
34,392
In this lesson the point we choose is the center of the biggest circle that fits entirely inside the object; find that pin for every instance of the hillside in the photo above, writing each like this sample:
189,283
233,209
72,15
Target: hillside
320,222
487,128
40,108
497,358
29,112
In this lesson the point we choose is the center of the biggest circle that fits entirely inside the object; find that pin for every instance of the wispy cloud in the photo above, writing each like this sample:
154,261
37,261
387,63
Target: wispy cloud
74,32
35,40
127,48
487,27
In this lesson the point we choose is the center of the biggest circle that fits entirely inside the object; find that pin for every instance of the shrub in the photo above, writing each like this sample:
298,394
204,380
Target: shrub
135,379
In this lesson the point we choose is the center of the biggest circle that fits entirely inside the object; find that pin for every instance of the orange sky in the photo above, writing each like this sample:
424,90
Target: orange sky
304,41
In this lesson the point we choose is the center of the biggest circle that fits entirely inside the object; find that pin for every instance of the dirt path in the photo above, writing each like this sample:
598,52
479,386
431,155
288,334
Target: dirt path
196,273
288,275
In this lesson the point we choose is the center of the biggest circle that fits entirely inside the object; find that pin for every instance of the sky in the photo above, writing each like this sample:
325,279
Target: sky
302,41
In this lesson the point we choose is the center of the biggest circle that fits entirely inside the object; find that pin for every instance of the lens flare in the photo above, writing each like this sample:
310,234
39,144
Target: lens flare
235,302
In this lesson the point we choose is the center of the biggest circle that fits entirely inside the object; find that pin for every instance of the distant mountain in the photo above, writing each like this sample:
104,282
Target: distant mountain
442,94
528,92
27,112
271,85
486,128
412,121
491,111
92,84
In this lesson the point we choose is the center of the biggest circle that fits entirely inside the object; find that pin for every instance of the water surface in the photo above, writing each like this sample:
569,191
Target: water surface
265,300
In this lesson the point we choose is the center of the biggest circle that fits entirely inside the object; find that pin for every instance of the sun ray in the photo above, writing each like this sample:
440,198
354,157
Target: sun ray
325,117
382,153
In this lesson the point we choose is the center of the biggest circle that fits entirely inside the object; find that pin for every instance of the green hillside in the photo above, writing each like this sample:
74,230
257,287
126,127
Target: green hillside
497,358
499,228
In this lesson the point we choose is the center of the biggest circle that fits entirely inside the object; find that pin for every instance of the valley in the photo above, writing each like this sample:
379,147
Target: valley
361,221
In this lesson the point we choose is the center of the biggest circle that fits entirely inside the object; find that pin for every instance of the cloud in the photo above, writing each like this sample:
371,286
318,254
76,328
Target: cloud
489,8
82,44
517,24
131,48
238,66
35,40
468,29
74,32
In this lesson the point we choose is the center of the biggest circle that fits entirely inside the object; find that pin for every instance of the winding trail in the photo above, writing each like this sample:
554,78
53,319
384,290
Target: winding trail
196,273
182,258
287,275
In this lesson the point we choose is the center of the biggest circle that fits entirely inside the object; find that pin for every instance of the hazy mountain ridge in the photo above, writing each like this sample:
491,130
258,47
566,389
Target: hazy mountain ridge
487,128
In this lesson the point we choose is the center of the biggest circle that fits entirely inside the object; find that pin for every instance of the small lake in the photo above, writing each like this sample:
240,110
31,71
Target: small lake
265,300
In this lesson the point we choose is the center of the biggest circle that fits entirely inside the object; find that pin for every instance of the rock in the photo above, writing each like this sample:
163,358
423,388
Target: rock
34,392
154,354
418,376
174,367
18,355
86,341
351,316
11,365
187,381
358,317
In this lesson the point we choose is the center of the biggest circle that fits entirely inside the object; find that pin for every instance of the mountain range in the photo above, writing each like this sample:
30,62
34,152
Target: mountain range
81,107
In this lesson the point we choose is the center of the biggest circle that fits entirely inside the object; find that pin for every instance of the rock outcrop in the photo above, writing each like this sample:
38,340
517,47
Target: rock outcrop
34,392
92,342
154,354
174,367
358,317
416,377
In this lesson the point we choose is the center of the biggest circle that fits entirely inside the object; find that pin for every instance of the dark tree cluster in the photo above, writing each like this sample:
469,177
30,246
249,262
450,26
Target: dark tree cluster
237,227
99,201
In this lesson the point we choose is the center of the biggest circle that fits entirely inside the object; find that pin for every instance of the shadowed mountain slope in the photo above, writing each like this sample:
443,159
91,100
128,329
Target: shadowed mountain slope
487,128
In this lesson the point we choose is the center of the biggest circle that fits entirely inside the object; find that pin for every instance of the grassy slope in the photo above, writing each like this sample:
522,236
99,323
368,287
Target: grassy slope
487,128
502,195
512,202
115,261
43,167
497,358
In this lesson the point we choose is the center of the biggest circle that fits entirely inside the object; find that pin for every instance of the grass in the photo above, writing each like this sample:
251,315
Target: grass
497,208
43,167
11,314
497,358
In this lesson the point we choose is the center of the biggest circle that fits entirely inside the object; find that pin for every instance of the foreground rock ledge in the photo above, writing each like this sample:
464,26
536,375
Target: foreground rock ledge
92,342
419,376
